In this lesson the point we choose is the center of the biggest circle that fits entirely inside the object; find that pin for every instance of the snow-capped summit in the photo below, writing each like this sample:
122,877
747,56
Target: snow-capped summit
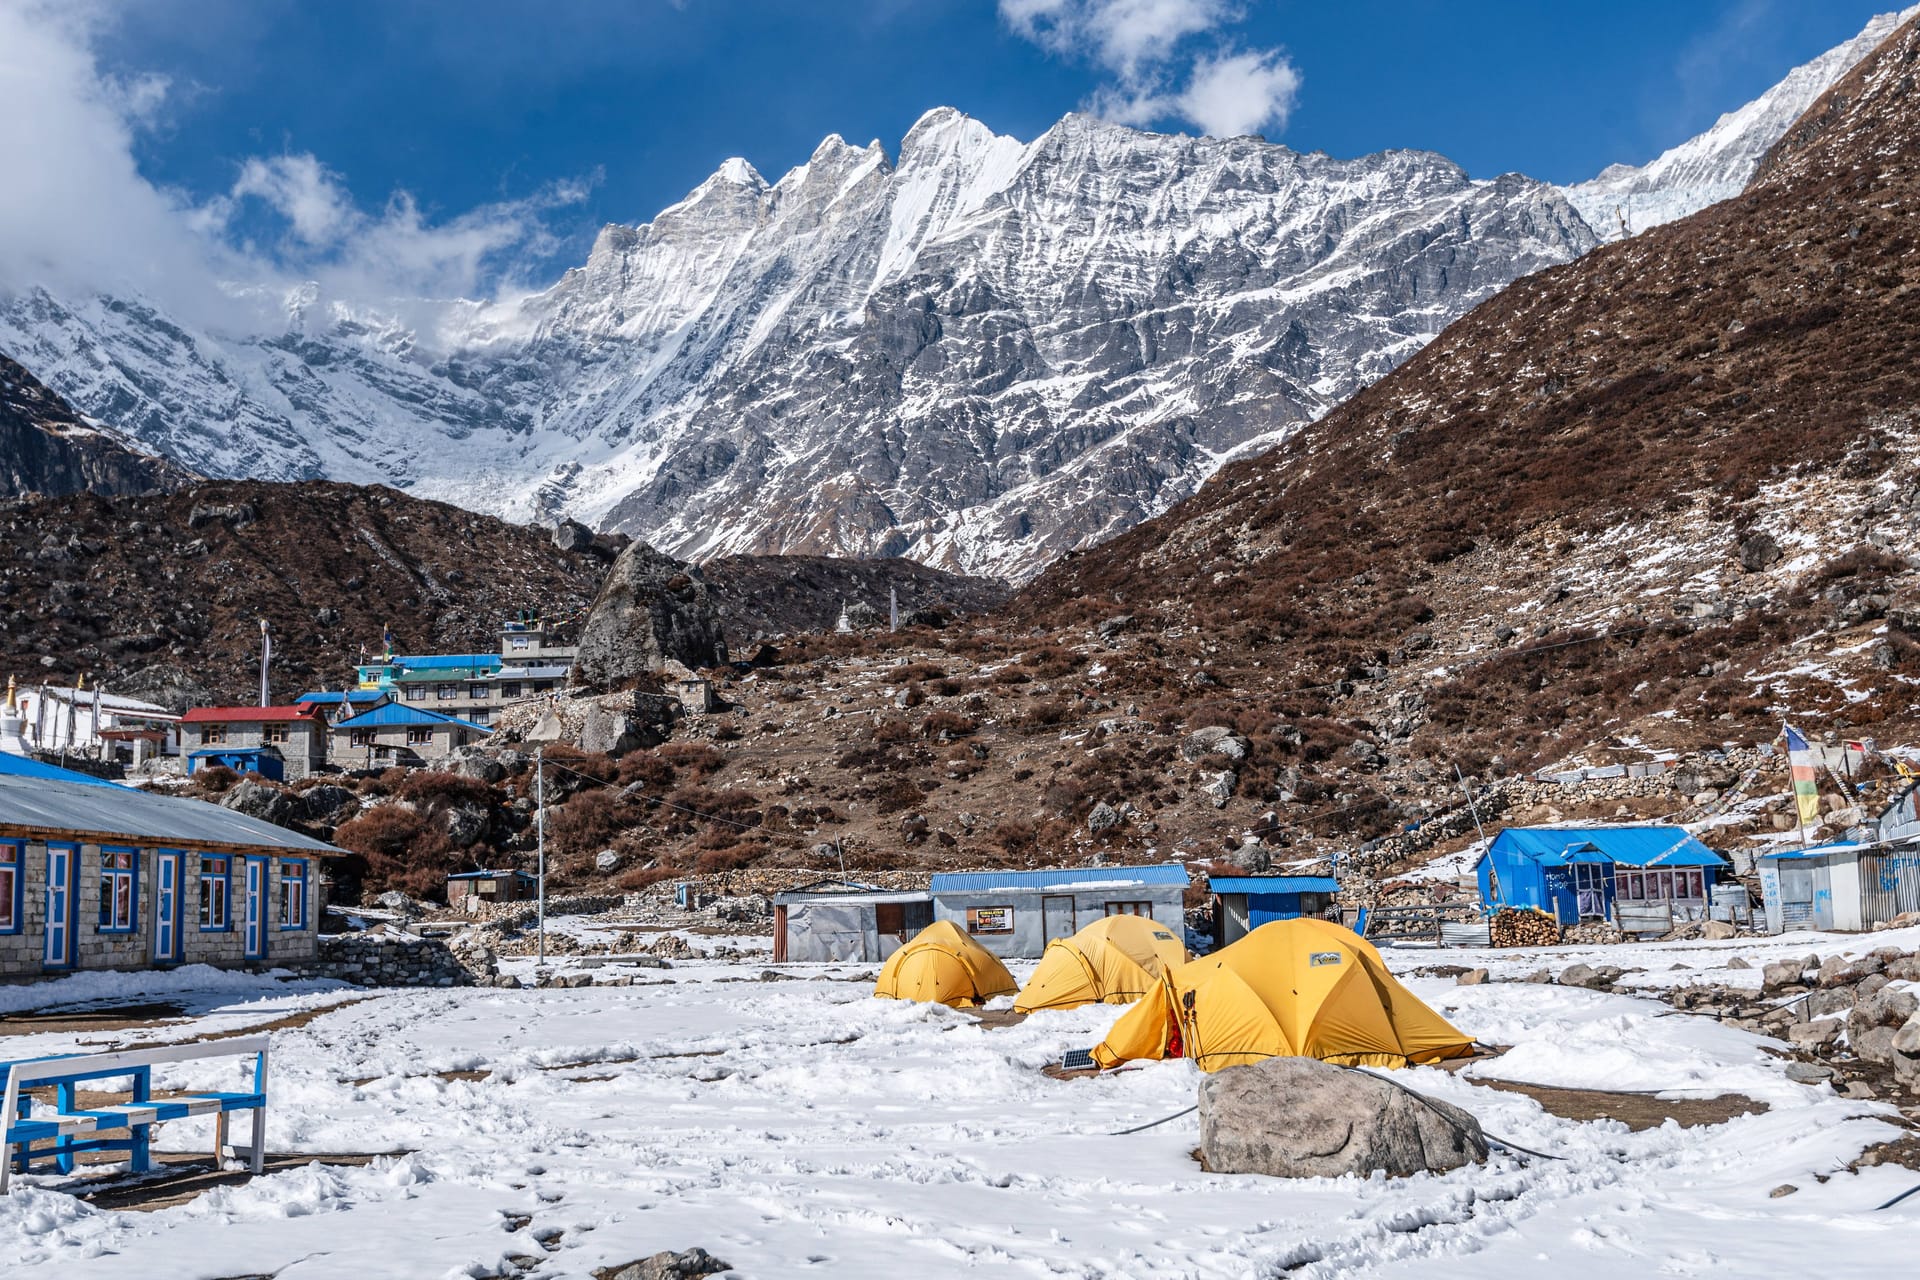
980,352
1717,164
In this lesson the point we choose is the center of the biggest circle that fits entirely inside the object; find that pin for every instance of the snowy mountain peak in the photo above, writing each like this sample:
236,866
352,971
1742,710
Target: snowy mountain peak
982,355
1716,165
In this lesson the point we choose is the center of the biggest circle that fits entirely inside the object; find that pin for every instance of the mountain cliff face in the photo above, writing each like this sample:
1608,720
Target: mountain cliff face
1718,164
979,353
45,447
1669,493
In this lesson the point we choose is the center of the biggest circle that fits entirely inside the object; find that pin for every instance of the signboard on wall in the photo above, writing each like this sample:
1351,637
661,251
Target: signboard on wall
989,919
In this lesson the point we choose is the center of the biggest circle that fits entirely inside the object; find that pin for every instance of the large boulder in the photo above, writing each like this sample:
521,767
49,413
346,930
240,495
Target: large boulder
1906,1053
264,801
650,608
1302,1118
691,1265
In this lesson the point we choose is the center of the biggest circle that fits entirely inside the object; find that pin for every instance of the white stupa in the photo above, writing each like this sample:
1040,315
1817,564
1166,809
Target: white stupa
12,725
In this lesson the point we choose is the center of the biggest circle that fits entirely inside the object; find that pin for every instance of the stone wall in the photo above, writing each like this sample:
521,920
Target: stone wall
391,958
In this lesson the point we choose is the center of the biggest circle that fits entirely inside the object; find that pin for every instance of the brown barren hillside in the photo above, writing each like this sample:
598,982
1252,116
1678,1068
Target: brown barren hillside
161,596
1700,441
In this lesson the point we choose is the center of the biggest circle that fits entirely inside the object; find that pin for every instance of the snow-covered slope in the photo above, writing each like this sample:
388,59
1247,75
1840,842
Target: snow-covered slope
980,353
1717,164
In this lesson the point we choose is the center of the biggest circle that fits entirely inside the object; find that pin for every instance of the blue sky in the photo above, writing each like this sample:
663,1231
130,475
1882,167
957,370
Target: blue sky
571,113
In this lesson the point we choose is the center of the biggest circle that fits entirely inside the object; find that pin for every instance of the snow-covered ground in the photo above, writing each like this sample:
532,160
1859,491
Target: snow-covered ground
801,1125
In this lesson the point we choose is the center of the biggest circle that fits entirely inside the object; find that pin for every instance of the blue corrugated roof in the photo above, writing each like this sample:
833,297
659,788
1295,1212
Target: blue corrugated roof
1638,846
398,713
14,766
1274,884
328,698
431,660
960,881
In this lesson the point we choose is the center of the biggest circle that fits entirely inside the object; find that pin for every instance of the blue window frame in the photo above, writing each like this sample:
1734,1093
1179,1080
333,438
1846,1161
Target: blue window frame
13,883
119,890
216,893
293,893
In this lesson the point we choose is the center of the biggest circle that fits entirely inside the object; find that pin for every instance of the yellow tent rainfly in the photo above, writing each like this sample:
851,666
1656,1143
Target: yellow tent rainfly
945,966
1115,960
1292,988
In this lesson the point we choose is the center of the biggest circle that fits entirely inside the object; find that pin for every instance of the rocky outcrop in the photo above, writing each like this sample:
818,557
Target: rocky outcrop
47,448
651,608
1301,1118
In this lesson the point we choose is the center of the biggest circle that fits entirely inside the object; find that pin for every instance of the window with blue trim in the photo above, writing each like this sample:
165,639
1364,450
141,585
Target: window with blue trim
119,890
13,856
293,893
216,883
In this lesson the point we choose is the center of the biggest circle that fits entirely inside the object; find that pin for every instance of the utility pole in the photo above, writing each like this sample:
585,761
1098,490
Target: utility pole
540,828
1471,807
266,655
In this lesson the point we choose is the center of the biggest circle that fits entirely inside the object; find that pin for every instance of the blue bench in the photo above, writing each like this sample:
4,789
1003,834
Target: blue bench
125,1126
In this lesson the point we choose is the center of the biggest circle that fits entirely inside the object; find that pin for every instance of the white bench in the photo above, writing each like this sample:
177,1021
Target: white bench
73,1129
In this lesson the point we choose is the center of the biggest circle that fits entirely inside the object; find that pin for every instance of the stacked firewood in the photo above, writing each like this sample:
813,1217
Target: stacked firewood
1523,927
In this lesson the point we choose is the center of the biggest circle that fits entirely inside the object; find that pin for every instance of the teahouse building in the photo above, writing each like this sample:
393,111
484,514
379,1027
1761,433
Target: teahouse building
1601,873
98,876
1016,913
396,734
298,735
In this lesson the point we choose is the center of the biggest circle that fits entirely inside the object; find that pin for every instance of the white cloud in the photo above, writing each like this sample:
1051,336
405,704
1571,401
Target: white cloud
1143,43
1240,93
77,215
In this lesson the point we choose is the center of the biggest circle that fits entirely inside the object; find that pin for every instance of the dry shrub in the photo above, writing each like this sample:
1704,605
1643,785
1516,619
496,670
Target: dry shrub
695,758
403,849
1043,715
638,878
950,723
588,822
428,789
647,768
916,671
214,779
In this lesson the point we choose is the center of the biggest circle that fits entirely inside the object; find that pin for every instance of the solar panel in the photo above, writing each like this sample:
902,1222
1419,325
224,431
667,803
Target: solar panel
1079,1060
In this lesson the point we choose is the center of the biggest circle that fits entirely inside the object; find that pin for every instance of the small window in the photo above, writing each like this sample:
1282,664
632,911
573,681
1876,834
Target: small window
419,737
360,737
510,689
517,642
215,880
12,856
118,870
416,693
213,735
275,732
1130,909
293,894
477,691
541,686
447,692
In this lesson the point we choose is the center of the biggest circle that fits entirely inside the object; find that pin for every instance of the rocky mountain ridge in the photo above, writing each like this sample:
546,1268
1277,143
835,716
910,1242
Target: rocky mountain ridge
978,352
45,447
1667,495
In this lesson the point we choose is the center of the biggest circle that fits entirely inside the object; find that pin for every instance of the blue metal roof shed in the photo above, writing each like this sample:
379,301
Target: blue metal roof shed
265,761
1244,903
1576,873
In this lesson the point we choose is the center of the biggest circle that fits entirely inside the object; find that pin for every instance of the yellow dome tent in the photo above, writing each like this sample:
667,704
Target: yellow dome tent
1114,960
944,965
1292,988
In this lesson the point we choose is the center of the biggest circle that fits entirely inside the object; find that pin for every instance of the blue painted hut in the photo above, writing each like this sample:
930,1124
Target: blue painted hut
1589,873
1242,904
